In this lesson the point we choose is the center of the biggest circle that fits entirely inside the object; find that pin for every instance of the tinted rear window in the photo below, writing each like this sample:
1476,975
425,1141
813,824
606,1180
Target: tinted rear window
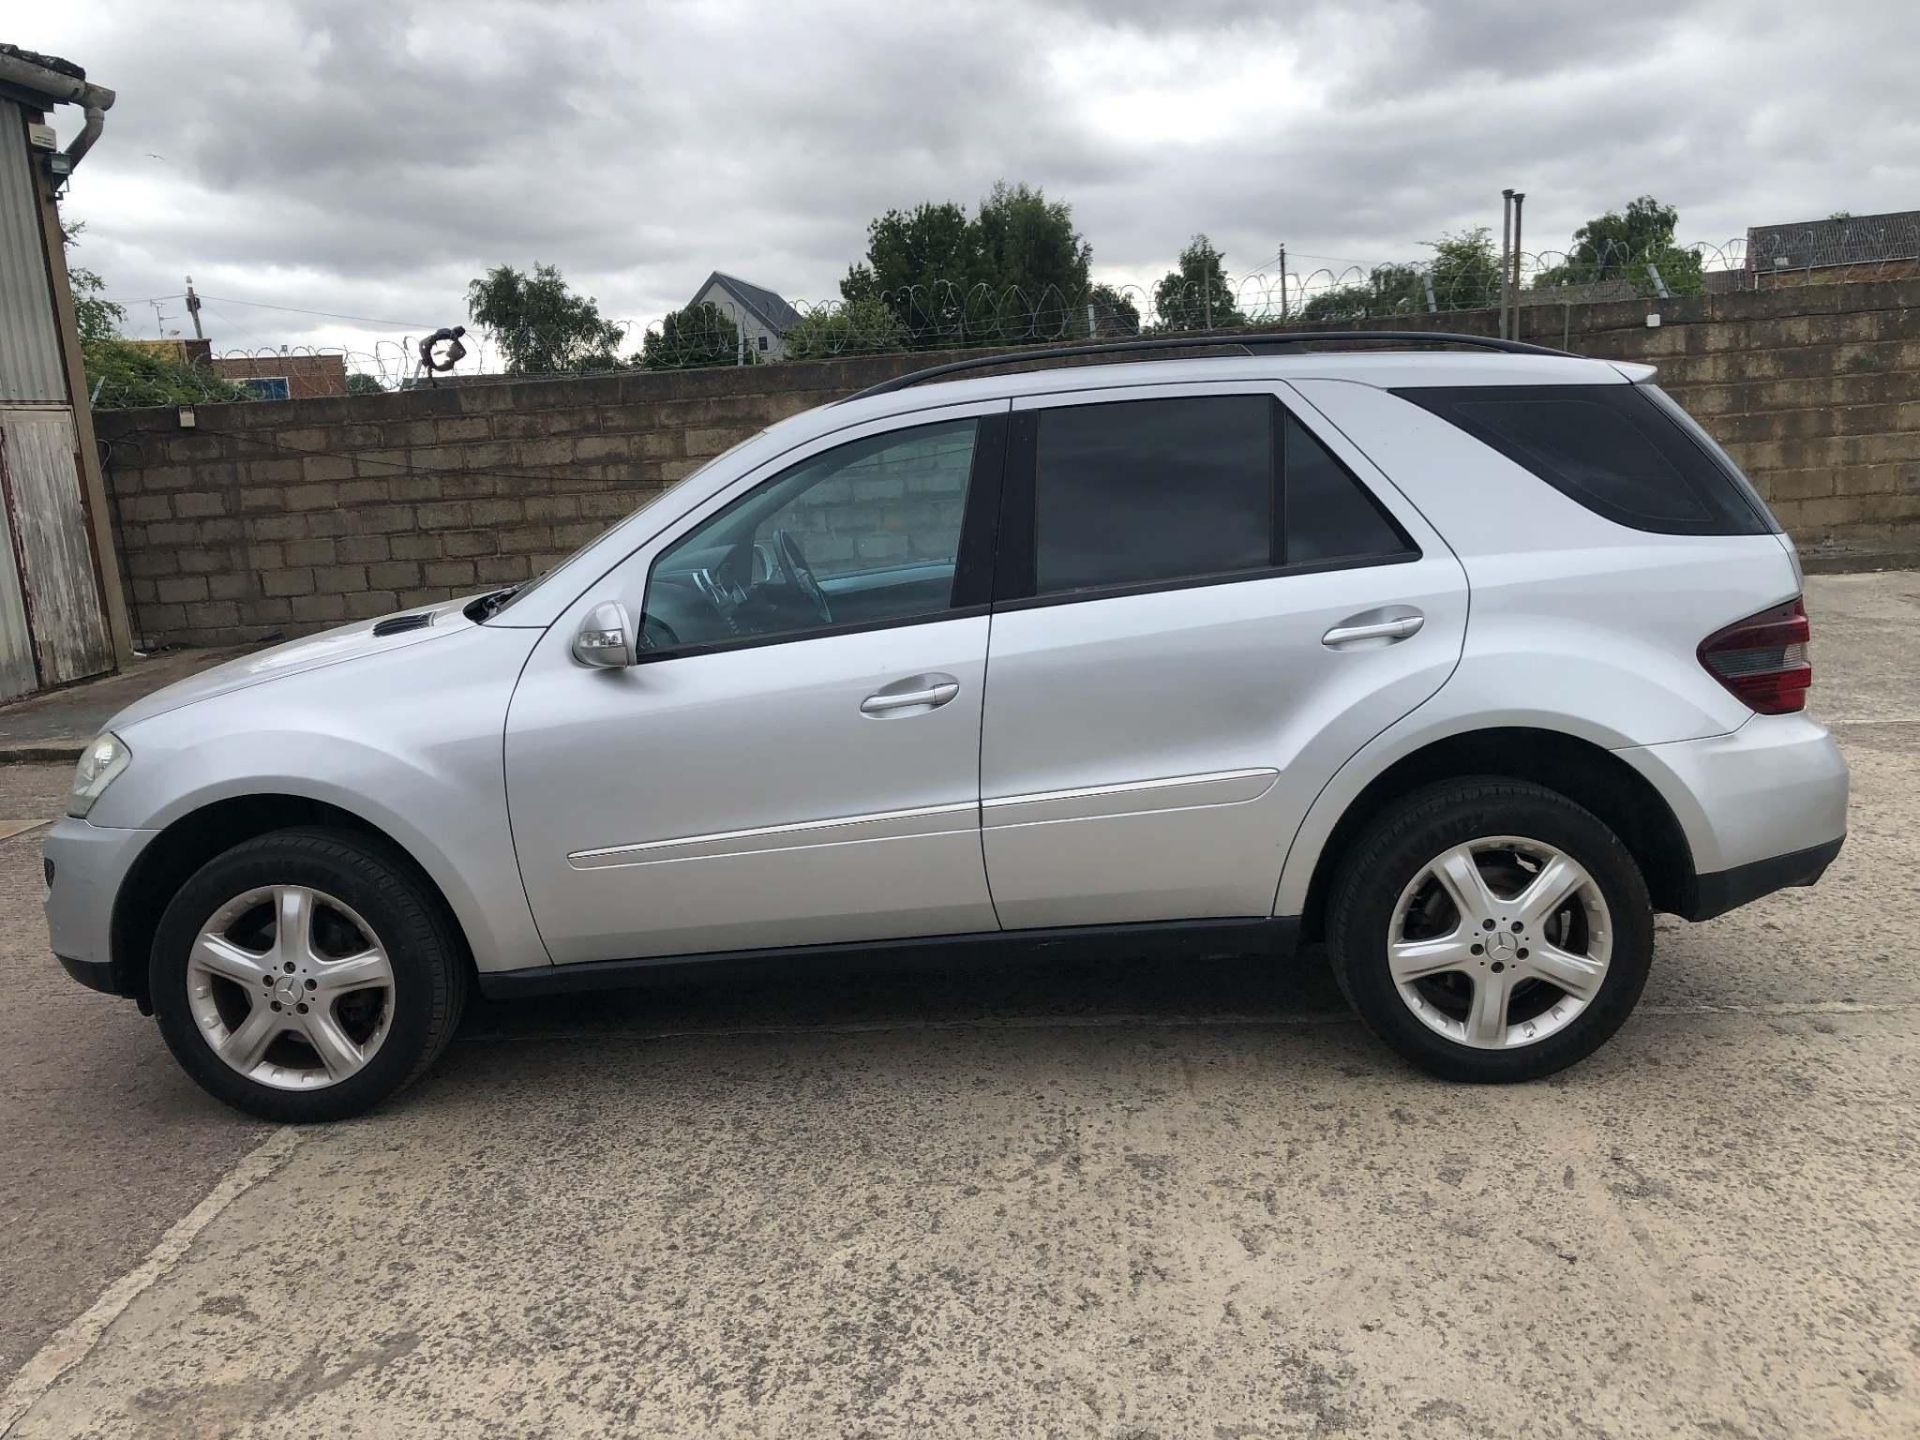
1137,491
1612,448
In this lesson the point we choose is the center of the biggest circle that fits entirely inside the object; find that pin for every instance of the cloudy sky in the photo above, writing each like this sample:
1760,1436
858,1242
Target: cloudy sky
369,159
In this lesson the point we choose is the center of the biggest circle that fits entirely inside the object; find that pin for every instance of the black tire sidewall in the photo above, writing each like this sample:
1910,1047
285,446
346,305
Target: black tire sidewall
1409,837
381,891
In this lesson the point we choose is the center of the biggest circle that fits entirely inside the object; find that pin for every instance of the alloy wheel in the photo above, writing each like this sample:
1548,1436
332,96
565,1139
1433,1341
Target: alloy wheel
1500,942
290,987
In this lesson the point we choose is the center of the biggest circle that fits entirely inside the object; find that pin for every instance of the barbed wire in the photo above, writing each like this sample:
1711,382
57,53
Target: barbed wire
948,315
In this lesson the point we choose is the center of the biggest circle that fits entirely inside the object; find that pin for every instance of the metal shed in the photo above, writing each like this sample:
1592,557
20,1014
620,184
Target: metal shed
62,614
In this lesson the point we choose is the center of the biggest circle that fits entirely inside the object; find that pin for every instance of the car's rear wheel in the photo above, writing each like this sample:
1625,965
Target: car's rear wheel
1490,930
306,975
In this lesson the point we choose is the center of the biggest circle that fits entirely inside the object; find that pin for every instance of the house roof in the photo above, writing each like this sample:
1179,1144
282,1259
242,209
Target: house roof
1855,240
765,306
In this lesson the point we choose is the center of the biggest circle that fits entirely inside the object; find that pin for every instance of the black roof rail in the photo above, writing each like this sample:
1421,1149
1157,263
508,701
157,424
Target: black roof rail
1249,343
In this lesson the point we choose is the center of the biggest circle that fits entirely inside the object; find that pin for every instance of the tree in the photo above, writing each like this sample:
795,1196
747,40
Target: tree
541,326
1198,295
1465,271
853,327
1035,259
1015,270
1621,244
361,383
1388,290
702,334
1114,314
921,264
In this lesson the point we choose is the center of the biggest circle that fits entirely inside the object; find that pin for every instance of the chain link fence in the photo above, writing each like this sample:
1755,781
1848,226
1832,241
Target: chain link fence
944,316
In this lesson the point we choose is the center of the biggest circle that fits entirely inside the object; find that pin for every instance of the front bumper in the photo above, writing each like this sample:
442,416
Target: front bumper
85,867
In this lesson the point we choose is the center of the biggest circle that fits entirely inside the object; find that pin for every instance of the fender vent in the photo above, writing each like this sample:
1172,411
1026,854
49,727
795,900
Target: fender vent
400,624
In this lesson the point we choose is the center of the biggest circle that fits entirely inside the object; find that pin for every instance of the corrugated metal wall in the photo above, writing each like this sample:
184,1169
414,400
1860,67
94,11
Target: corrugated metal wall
30,368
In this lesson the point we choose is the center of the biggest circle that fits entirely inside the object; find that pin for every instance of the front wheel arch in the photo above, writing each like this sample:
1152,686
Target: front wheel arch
177,852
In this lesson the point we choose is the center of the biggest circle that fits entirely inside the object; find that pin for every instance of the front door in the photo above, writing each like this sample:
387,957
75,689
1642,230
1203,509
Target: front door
795,761
1202,611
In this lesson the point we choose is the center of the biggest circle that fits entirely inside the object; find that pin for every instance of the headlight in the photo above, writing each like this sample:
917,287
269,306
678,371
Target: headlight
99,763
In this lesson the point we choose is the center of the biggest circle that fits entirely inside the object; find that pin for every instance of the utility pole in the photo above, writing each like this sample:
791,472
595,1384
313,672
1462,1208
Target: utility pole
193,309
1513,302
1506,253
1283,282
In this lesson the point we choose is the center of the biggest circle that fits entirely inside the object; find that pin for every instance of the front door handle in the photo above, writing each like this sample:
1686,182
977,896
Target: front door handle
915,695
1362,629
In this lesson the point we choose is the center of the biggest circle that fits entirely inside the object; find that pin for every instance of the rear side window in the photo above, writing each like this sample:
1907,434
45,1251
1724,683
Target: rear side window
1612,448
1138,491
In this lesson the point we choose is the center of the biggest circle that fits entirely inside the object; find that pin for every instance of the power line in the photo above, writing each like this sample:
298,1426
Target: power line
323,314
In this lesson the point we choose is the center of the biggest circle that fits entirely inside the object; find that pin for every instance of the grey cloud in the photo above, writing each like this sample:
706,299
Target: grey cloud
370,158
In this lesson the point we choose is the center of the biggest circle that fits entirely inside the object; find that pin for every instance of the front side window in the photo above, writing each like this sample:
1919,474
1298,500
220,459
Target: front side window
1138,491
865,533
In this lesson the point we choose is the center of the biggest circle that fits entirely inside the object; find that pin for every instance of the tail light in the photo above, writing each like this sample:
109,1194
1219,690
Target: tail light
1763,658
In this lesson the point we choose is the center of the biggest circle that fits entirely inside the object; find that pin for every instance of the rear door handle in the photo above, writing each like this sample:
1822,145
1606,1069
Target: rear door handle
916,694
1360,630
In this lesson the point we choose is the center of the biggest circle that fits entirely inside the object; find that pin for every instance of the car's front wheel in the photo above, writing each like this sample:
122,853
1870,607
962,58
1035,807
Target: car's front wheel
306,975
1490,930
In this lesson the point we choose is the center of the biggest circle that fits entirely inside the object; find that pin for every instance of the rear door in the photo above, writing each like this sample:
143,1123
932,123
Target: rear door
1204,605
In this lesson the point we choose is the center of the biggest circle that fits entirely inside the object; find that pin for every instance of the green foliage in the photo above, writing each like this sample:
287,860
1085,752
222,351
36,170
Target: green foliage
122,374
1115,316
541,326
702,334
360,383
1621,244
1029,246
1387,290
1465,271
1016,269
99,318
854,327
1197,296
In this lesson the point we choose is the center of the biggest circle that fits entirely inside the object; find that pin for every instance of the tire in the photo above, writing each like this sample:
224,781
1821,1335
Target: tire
365,909
1398,883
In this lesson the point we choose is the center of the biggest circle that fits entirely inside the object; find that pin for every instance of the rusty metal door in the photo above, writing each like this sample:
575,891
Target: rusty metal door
52,548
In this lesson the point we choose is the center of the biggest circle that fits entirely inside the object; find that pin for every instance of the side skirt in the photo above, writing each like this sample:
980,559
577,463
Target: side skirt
1198,940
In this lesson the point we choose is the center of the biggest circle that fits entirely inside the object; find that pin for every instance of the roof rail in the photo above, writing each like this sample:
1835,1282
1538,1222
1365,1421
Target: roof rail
1248,343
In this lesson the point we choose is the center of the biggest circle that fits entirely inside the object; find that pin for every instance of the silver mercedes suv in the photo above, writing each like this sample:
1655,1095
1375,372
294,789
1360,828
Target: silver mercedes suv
1462,656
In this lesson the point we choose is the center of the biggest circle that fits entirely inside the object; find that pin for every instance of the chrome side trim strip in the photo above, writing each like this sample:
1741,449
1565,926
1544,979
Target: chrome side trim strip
1093,802
846,829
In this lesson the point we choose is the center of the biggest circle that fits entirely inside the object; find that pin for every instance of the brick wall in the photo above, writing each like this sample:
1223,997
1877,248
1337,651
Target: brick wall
288,517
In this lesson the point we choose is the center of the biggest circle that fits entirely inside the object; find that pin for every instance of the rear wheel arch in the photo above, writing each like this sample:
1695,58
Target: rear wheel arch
183,847
1585,773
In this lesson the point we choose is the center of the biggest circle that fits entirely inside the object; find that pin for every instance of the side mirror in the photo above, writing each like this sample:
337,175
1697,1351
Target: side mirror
605,637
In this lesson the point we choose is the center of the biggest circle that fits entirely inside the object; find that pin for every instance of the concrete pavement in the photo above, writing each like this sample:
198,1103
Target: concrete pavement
1117,1199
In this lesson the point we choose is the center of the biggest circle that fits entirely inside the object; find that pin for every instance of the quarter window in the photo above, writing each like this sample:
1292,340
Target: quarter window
865,533
1611,448
1329,515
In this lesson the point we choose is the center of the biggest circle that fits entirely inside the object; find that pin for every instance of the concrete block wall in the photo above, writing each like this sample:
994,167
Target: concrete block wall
287,517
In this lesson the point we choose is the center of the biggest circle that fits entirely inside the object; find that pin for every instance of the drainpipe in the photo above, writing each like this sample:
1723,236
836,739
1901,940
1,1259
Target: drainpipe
94,100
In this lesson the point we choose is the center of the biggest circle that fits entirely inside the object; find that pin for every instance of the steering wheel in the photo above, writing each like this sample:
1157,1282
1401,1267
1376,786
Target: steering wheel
801,574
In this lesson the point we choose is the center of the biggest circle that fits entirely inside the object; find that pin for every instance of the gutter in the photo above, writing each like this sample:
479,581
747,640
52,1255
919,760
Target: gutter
94,100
